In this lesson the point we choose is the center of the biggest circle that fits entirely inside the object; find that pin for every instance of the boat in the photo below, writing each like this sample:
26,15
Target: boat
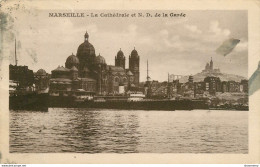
22,93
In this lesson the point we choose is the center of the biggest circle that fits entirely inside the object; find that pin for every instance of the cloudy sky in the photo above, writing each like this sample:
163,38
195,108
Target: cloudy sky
176,45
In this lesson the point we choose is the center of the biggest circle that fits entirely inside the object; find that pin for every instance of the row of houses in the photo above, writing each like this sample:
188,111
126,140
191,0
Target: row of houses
210,85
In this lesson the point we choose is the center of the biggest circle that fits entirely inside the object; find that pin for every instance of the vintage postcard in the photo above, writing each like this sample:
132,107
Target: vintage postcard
130,82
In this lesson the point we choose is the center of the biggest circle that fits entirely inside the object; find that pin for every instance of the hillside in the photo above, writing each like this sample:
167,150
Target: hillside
223,77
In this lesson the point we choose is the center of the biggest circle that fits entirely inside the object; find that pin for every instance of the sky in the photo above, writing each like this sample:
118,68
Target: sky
180,46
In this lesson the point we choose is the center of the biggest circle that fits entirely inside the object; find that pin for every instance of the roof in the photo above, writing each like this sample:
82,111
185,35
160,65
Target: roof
61,69
61,80
87,79
85,49
74,69
129,73
41,72
100,60
120,54
134,53
118,73
116,68
72,59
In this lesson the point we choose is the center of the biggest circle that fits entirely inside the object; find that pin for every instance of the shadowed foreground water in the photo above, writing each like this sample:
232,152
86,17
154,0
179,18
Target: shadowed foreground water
115,131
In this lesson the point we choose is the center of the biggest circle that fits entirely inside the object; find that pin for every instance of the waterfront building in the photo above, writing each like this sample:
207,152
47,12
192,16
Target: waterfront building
212,85
41,80
233,86
224,87
199,88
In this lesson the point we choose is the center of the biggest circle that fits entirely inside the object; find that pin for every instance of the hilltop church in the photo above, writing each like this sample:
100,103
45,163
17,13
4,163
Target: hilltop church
89,73
210,69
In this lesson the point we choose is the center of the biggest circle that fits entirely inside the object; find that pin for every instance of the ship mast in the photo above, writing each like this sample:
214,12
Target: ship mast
147,77
15,53
168,87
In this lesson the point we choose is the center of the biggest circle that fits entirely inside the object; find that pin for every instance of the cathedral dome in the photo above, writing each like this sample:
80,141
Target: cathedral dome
41,72
134,53
120,54
100,60
71,61
86,49
86,53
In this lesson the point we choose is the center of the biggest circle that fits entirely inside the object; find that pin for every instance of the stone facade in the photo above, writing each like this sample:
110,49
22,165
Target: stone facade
90,73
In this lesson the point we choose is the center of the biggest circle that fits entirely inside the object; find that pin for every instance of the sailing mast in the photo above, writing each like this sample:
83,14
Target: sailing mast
15,53
147,77
168,87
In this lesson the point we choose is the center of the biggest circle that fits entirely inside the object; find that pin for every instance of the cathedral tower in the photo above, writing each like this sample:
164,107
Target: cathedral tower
120,59
134,64
211,64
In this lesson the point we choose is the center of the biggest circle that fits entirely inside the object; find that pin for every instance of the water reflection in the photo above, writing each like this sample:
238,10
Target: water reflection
110,131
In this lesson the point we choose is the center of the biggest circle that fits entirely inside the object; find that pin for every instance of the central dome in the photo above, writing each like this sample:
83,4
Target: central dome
86,54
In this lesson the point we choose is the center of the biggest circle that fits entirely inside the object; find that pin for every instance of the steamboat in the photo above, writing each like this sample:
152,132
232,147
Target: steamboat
22,93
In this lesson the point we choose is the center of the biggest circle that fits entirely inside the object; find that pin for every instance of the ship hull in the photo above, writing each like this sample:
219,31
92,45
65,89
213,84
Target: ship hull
167,105
33,101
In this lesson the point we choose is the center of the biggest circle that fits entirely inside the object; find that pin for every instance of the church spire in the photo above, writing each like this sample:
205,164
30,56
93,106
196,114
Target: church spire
86,36
211,64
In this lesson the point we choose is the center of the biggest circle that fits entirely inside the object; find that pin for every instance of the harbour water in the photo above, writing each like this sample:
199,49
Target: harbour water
126,131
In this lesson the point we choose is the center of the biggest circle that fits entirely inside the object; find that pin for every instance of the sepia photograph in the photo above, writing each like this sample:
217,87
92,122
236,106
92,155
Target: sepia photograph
97,82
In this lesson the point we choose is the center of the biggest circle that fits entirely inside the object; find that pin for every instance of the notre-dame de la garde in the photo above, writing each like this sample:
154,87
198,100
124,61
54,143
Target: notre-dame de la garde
89,73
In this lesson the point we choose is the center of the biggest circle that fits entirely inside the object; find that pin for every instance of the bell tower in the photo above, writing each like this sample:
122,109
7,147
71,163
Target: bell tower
120,59
134,64
211,64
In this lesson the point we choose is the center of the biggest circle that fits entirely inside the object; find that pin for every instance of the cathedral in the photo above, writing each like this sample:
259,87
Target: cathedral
89,73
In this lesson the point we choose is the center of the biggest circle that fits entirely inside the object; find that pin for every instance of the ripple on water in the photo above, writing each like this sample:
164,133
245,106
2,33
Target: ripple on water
115,131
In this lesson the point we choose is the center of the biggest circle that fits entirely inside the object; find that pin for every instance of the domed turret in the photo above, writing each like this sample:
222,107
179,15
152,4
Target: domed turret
120,54
120,59
71,61
100,60
134,54
134,64
86,54
41,72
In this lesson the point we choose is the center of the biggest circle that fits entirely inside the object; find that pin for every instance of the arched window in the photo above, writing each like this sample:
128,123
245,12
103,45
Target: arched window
116,79
124,80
